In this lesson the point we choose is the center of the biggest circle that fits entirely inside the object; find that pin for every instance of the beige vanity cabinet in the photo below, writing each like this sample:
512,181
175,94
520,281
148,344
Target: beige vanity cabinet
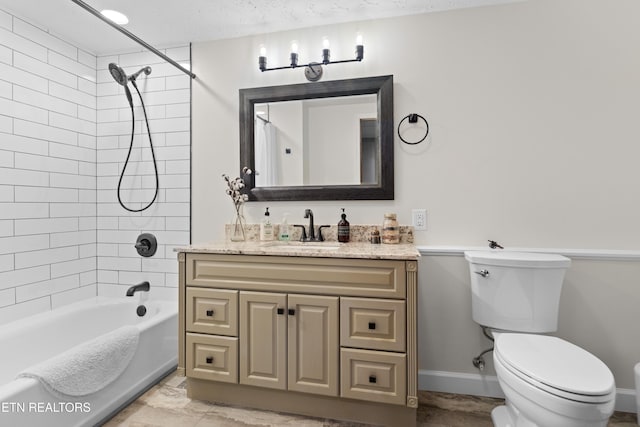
327,337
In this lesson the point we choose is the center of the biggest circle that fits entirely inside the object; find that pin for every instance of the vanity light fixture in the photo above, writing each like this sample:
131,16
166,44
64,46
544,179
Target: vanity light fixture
313,70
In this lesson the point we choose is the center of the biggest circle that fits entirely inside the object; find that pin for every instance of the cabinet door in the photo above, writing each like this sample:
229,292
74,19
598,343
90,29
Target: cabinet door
263,328
313,344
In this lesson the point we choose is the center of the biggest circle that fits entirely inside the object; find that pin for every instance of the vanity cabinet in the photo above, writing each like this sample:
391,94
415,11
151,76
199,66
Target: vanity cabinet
327,337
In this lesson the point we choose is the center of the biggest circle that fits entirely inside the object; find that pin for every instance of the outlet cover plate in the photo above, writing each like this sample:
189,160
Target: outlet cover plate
419,219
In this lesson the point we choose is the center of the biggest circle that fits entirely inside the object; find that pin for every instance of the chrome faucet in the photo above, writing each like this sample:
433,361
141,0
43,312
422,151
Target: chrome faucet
143,286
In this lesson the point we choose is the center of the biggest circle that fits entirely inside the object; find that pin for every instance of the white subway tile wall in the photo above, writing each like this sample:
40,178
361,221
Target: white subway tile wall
64,135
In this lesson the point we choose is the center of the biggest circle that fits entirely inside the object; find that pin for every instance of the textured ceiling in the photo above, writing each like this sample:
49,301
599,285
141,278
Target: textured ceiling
164,23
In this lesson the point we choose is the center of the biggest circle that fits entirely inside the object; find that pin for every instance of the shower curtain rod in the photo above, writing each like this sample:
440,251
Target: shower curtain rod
133,37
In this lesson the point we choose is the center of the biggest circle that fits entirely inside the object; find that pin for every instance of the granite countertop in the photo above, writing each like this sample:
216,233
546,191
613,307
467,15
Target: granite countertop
364,250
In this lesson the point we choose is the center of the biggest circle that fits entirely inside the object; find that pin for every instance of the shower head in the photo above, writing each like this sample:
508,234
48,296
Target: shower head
145,70
118,74
120,77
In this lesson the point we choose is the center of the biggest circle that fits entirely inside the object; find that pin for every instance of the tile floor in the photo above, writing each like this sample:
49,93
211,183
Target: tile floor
167,405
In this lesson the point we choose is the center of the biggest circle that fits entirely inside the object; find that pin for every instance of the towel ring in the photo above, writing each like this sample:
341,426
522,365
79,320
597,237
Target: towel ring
413,118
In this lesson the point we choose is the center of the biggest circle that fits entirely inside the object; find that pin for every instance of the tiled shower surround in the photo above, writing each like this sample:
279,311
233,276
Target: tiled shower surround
64,135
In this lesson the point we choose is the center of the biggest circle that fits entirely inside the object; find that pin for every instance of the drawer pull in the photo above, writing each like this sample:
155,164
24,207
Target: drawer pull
292,312
209,359
209,313
372,325
281,311
372,379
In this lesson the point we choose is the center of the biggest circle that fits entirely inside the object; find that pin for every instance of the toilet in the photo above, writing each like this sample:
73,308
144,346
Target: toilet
637,372
547,381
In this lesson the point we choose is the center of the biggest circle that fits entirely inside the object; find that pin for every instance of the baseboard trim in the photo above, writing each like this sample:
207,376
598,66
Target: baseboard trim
487,385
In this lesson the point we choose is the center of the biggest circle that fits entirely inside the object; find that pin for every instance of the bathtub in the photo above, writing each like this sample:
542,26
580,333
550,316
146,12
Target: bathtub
26,342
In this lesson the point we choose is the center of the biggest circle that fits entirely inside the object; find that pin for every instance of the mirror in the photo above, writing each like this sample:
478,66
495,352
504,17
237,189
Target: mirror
319,141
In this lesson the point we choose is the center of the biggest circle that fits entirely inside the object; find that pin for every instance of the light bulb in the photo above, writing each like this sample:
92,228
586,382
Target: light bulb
263,51
359,39
294,47
115,16
325,43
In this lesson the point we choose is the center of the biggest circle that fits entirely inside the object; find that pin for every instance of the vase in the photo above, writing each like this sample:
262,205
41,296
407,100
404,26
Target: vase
237,232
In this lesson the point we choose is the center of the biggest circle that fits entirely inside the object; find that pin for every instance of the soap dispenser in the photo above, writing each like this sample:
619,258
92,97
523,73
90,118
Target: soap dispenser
284,234
343,228
266,227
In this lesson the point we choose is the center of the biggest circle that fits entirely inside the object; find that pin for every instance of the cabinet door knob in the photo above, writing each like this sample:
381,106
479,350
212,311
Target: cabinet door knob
210,313
372,325
281,311
209,359
292,312
372,379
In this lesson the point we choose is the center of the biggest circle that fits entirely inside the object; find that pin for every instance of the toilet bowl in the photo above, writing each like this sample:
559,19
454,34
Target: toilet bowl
550,382
637,372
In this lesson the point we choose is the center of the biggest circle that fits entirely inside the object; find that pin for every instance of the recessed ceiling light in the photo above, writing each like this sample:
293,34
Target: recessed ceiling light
115,16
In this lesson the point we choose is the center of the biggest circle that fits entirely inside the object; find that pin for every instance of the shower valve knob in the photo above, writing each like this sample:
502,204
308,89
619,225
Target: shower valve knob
146,244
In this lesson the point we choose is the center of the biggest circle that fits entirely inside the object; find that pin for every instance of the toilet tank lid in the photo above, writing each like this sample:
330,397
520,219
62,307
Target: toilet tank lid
556,363
517,259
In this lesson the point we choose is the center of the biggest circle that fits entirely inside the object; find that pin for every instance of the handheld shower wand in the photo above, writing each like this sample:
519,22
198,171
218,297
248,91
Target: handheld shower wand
121,78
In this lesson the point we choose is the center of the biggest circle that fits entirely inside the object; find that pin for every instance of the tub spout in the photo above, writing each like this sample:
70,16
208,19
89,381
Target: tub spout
143,286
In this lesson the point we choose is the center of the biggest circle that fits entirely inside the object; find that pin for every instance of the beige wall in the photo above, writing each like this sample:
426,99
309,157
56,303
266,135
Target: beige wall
533,109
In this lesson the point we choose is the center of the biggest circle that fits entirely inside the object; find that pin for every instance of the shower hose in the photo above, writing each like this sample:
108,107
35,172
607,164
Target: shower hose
126,162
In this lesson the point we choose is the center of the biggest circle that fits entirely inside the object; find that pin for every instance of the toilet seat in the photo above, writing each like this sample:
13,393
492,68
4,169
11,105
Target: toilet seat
555,366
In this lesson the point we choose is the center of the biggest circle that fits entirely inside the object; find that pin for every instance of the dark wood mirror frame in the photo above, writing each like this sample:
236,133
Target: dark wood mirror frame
381,85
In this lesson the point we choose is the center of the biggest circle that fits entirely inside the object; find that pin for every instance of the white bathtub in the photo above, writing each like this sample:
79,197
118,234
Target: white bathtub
26,402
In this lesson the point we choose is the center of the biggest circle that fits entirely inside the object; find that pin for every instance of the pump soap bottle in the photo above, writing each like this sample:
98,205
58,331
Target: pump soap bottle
266,227
284,234
343,228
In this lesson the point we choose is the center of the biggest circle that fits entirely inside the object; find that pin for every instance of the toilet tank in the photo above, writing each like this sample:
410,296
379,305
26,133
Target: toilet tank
516,291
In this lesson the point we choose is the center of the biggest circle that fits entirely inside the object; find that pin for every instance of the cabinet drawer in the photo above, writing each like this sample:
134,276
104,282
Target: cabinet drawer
212,311
373,323
373,375
212,358
308,275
